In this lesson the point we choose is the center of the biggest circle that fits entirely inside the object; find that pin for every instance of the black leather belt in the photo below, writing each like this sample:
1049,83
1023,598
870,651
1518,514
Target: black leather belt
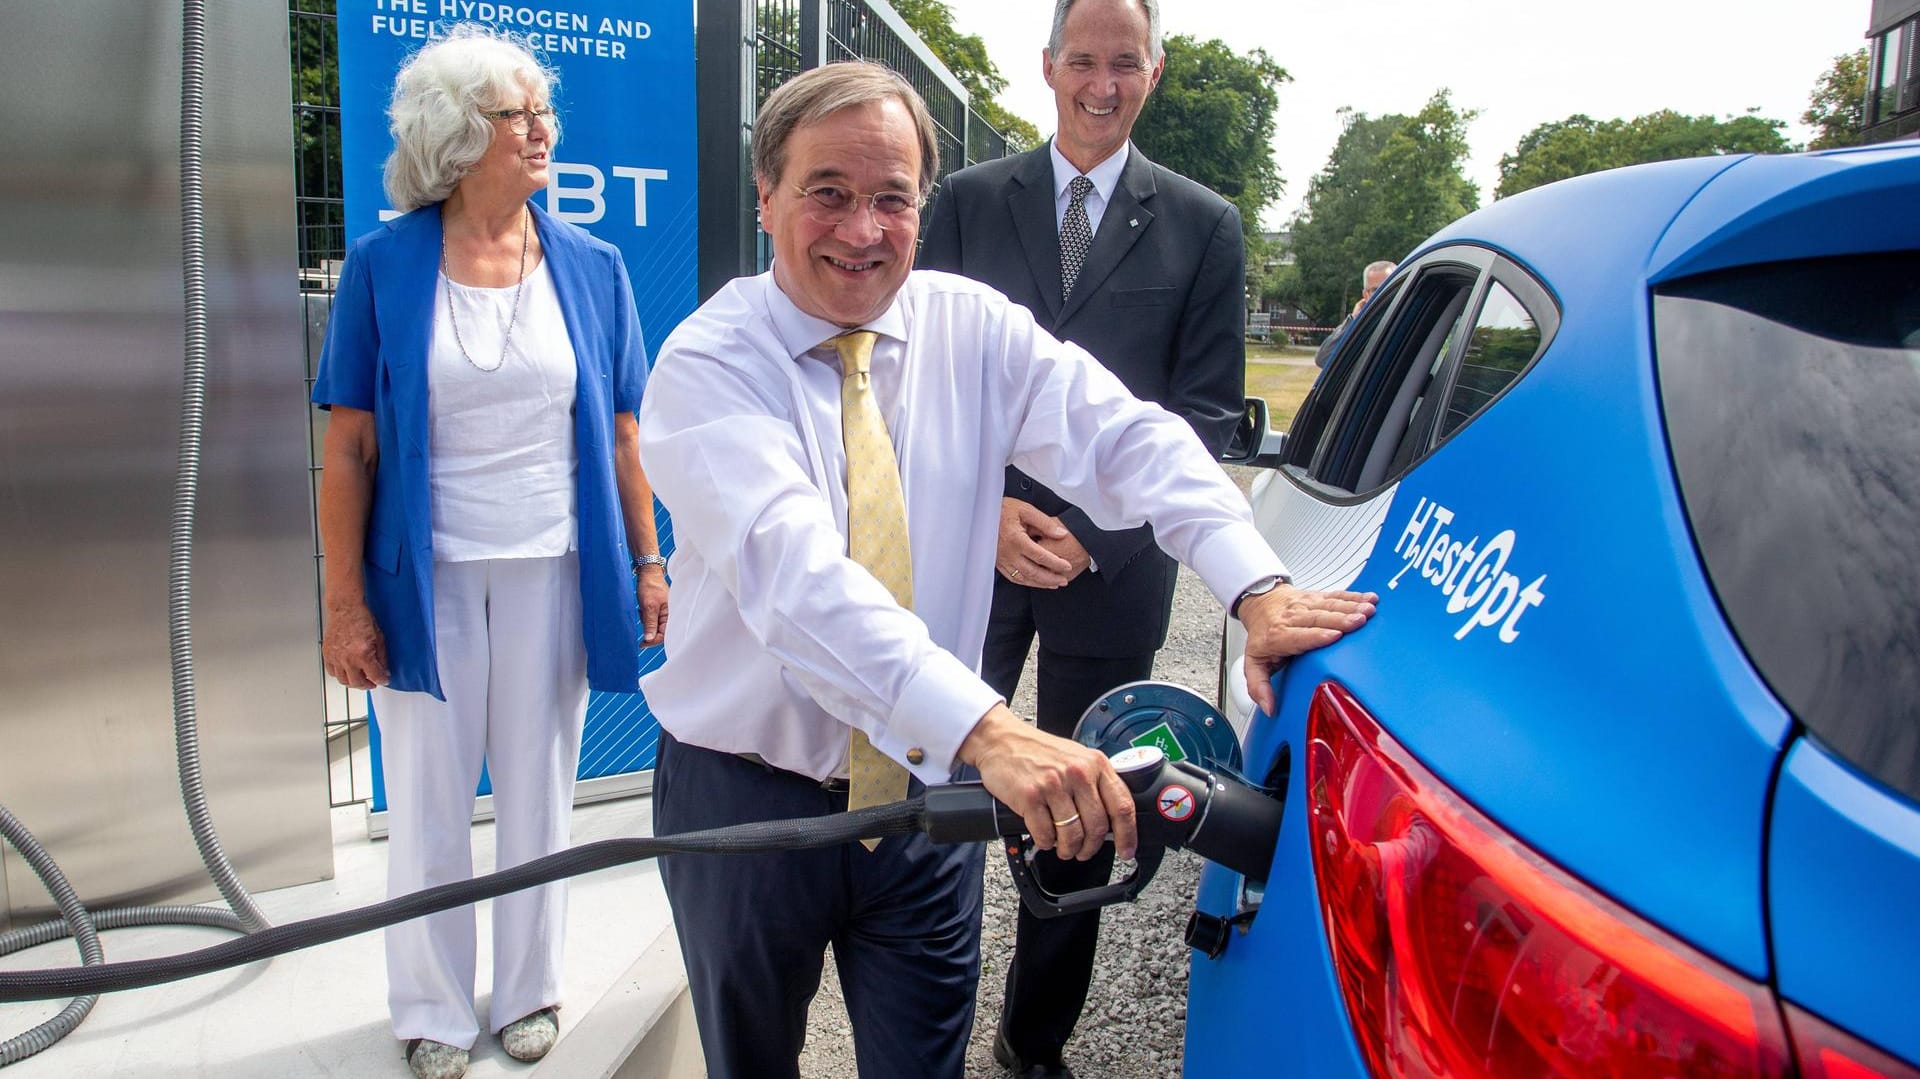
832,784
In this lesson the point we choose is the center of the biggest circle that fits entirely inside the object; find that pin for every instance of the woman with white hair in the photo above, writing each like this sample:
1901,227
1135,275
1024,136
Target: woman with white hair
488,531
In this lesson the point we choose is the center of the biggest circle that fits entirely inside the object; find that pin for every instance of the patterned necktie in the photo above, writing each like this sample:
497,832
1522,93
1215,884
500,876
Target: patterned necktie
876,538
1076,236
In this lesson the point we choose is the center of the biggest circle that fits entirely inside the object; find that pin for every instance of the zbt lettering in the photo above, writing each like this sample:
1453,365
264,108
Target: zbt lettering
586,203
577,193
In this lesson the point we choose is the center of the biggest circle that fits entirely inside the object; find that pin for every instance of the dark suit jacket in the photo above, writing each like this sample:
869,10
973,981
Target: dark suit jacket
1160,301
1331,341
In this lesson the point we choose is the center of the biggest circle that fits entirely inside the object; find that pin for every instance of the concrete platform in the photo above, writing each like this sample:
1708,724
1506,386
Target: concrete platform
322,1012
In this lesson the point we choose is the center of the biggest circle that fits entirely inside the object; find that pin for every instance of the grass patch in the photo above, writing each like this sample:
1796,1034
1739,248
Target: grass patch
1284,385
1262,350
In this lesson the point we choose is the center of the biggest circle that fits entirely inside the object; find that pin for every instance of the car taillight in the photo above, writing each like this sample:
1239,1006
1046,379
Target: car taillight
1827,1052
1461,953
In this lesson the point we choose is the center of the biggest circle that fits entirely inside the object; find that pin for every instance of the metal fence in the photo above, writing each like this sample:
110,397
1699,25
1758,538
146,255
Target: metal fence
855,31
757,45
319,207
320,216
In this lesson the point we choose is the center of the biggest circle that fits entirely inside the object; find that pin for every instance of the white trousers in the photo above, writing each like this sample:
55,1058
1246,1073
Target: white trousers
514,669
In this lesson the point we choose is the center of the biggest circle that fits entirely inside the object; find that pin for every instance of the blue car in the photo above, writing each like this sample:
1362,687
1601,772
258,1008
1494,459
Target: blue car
1624,777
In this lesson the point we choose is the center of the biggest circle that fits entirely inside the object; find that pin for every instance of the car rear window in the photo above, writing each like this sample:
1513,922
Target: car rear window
1505,339
1792,400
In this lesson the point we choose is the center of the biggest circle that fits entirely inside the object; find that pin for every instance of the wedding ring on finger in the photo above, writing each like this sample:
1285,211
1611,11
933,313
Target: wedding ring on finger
1064,823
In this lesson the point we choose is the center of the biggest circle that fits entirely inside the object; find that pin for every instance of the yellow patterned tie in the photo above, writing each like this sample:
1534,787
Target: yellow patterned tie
876,538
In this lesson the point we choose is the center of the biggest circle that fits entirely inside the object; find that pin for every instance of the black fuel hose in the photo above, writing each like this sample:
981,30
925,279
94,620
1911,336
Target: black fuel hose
897,818
1221,820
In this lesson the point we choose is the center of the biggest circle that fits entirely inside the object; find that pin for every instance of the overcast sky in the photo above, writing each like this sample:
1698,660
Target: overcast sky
1519,62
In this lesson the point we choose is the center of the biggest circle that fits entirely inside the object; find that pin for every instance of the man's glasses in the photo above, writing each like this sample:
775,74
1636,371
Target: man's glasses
833,204
520,121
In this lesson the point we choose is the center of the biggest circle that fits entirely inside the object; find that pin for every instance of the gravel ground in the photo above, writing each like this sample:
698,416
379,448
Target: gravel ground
1136,1014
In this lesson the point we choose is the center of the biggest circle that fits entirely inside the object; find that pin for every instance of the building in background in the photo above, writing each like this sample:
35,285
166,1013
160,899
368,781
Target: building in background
1275,318
1893,71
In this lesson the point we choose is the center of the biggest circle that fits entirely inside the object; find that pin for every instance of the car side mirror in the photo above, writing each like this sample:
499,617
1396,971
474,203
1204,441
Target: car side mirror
1254,442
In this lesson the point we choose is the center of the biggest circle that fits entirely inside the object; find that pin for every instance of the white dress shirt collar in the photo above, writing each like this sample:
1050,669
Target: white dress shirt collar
1105,175
800,333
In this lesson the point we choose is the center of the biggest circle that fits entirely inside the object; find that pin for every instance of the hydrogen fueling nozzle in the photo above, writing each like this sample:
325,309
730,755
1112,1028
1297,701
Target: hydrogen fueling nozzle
1178,806
1192,801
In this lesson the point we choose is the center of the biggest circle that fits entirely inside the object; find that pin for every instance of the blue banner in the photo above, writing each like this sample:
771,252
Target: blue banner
624,166
623,170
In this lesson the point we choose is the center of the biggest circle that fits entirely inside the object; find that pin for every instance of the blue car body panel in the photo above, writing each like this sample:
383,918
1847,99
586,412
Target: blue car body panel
1845,892
1804,206
1622,732
1269,1005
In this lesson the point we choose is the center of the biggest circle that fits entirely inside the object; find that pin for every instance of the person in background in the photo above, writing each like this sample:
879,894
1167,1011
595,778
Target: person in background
1146,270
1371,279
487,527
832,438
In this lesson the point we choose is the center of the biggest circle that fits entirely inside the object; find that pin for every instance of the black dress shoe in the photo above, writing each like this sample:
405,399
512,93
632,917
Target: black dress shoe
1003,1052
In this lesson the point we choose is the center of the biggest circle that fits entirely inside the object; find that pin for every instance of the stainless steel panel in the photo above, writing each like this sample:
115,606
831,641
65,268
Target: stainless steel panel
91,345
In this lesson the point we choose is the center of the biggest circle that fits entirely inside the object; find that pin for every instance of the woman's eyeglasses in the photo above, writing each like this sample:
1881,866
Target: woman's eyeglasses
520,121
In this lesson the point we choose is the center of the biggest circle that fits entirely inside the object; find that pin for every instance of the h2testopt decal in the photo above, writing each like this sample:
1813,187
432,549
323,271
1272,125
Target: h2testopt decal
1471,573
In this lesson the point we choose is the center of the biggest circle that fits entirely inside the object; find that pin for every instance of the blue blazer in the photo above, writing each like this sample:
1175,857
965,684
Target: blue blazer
376,360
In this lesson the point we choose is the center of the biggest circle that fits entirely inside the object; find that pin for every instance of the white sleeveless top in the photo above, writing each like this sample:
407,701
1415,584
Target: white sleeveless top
501,453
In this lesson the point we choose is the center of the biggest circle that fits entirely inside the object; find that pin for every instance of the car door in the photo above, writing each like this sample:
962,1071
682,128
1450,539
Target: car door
1440,344
1444,338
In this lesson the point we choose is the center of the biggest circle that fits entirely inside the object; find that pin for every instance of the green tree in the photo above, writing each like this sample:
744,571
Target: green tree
1211,120
1838,106
966,56
1580,144
1259,253
1281,288
1422,185
1390,182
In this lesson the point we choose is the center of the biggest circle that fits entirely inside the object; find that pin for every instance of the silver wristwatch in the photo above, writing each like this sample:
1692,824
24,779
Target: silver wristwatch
1258,588
641,561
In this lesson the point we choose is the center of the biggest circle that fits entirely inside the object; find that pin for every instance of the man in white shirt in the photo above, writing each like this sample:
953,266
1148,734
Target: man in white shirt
783,644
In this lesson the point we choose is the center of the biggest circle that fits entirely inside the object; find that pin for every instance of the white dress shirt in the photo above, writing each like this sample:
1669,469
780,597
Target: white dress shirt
1105,176
779,640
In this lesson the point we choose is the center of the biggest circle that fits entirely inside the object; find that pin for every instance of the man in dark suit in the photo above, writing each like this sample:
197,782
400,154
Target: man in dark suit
1145,269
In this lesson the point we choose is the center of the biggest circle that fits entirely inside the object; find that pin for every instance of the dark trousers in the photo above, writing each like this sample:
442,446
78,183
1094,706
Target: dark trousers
904,922
1052,957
